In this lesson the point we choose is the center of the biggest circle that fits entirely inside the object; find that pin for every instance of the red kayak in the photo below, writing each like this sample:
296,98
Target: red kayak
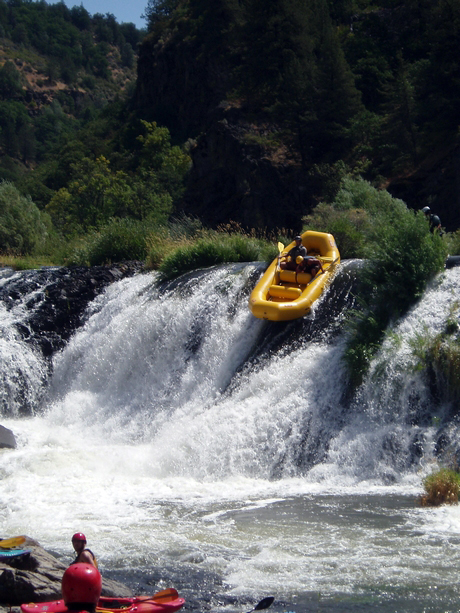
167,601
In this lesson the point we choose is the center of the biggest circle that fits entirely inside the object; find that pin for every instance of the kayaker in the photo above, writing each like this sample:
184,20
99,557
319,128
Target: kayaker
83,554
81,587
433,220
289,262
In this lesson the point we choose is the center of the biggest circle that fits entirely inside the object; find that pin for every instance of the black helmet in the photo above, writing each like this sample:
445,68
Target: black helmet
426,209
298,238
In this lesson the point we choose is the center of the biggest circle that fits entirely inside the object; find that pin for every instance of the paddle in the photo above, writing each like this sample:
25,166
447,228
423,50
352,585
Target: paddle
165,595
263,604
12,542
326,259
280,249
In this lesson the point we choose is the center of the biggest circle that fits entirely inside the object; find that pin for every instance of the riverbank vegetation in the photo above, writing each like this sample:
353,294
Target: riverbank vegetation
401,255
441,487
438,356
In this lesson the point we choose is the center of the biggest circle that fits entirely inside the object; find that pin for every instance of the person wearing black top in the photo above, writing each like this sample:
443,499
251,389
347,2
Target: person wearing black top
290,261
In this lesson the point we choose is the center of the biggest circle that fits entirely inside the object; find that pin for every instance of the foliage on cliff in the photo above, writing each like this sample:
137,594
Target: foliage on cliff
353,79
275,102
58,68
374,85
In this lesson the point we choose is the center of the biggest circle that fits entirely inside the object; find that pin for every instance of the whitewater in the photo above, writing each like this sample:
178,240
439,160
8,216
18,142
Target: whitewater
192,458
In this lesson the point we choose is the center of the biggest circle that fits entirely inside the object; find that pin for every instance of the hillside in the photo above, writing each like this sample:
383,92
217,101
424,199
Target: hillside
58,68
281,100
226,111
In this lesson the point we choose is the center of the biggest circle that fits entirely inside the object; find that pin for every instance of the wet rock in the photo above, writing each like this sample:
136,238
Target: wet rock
36,577
7,440
55,300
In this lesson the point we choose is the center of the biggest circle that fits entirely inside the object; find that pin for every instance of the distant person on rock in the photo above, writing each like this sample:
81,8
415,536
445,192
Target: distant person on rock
81,587
433,220
83,554
290,259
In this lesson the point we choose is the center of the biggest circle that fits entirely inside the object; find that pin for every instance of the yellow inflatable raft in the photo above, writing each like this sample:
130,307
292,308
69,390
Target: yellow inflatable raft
281,295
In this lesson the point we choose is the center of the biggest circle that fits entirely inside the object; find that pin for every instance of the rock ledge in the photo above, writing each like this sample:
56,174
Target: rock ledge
36,577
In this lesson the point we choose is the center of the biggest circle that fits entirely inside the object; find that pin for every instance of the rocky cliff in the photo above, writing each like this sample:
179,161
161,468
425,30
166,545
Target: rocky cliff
241,170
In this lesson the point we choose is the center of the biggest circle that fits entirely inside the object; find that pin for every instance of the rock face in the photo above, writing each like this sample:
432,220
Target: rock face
233,178
7,440
37,578
56,299
237,173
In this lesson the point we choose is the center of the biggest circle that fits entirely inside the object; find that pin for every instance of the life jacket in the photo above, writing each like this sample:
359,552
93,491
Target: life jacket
77,561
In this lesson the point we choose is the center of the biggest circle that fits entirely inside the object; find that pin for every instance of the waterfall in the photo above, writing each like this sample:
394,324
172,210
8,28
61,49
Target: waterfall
23,370
185,361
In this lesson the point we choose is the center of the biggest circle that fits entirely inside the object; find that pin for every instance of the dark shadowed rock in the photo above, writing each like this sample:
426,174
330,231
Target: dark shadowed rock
55,300
7,440
36,577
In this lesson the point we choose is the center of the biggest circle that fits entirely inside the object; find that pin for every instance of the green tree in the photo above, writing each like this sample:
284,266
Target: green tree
23,228
149,201
169,164
93,196
304,79
13,118
158,10
10,81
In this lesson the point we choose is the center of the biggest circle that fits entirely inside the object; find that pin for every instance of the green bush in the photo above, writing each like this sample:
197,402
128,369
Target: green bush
356,216
216,248
452,240
442,487
24,230
120,239
401,256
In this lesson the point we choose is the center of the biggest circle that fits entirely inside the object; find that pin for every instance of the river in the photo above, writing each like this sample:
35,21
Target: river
192,461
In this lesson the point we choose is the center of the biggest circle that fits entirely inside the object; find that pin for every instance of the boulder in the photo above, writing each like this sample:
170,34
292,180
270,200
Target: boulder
36,577
7,440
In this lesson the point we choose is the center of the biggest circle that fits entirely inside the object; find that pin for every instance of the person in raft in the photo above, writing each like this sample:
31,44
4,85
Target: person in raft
309,264
83,554
81,587
290,259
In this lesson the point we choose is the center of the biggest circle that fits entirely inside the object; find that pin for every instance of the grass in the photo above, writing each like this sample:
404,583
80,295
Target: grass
174,249
26,262
216,248
442,487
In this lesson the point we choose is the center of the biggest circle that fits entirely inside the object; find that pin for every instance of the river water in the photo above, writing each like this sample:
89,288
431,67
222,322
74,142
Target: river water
190,461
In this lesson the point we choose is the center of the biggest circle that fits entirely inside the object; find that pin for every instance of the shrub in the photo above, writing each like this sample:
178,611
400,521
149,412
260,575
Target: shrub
216,248
402,255
23,228
442,487
120,239
439,356
453,242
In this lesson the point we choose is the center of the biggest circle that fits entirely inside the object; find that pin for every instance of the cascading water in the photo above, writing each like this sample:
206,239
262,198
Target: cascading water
200,448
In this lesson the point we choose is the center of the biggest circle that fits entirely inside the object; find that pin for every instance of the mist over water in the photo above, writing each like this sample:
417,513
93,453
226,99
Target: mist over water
191,461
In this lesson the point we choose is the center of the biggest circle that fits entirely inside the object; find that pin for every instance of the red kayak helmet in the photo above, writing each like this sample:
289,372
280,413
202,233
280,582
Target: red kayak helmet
81,583
79,536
